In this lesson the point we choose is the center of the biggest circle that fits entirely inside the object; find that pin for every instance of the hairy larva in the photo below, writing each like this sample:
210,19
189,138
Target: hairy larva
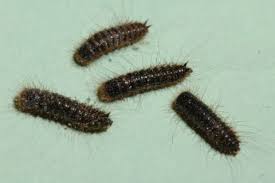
208,125
55,107
108,40
141,81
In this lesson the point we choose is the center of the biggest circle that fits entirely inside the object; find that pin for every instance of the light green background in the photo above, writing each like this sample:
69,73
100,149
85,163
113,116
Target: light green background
229,44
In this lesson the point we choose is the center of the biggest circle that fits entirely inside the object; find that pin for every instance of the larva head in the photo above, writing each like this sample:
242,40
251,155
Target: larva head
108,91
83,55
27,99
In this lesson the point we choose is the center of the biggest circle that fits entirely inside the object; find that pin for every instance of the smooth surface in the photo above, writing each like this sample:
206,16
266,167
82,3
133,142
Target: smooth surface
230,46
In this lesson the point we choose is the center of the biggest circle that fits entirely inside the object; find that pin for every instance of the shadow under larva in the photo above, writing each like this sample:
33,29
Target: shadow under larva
109,40
208,125
63,110
145,80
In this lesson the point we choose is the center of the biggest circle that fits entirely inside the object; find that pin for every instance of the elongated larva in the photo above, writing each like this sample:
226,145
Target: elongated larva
108,40
141,81
61,109
208,125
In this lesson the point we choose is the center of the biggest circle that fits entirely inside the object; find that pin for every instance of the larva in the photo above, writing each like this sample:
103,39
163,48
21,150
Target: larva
142,81
61,109
208,125
108,40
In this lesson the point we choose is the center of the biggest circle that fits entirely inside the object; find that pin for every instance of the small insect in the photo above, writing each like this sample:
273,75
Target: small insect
210,127
108,40
61,109
142,81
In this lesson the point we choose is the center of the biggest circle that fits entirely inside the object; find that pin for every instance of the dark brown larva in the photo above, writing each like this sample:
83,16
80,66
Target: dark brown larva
142,81
207,124
53,106
108,40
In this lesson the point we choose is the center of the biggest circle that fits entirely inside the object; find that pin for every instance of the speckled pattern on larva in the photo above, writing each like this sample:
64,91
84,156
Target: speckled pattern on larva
207,124
108,40
55,107
142,81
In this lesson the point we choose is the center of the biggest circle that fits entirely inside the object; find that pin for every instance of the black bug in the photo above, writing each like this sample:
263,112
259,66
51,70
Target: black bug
210,127
142,81
53,106
108,40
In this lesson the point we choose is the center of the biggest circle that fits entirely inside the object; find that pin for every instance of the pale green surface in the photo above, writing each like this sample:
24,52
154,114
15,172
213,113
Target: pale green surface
231,49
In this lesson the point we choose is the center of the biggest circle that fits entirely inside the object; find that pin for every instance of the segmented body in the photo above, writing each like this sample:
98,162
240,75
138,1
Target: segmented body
142,81
61,109
208,125
108,40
